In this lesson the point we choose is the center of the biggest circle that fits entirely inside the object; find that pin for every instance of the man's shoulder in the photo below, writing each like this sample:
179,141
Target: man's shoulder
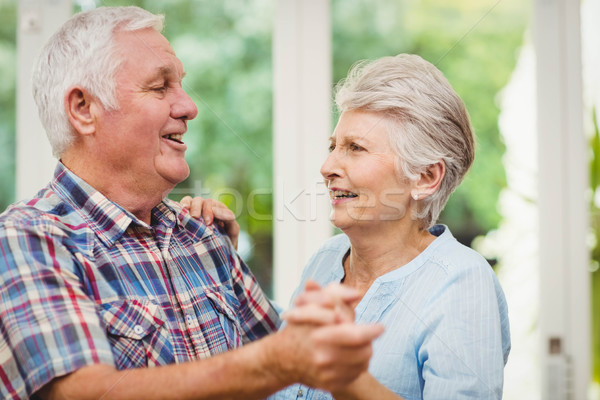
46,209
195,227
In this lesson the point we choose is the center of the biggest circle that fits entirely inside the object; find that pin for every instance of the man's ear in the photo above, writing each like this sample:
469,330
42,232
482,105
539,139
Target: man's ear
79,106
429,181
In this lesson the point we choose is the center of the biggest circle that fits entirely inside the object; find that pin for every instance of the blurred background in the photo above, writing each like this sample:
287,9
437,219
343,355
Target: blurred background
485,49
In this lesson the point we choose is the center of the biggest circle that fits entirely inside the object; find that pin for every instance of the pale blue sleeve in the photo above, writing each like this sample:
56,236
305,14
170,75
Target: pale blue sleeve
465,344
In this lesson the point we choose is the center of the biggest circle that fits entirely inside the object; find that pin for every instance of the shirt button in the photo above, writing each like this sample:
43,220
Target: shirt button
138,329
189,319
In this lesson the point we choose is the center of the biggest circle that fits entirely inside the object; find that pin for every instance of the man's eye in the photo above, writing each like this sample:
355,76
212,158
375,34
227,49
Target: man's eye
355,147
331,147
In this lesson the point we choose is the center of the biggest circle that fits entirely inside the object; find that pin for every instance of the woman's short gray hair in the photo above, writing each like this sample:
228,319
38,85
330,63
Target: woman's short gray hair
83,53
427,121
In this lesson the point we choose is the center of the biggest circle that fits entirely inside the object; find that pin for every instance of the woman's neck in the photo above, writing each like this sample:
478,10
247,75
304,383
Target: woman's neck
380,251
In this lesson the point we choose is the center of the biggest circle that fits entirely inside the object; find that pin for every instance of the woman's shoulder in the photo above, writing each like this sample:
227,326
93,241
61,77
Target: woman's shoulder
325,265
339,242
334,248
455,257
456,272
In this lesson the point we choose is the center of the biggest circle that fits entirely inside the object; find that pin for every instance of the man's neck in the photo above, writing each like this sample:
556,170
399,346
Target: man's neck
130,195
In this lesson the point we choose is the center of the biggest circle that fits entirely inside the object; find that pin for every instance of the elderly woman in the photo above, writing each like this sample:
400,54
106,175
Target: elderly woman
402,145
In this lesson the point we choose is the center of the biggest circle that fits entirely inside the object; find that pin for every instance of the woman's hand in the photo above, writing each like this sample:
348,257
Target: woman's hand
213,211
318,305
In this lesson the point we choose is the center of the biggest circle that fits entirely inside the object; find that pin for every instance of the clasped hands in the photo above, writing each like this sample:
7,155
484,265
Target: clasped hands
335,349
320,345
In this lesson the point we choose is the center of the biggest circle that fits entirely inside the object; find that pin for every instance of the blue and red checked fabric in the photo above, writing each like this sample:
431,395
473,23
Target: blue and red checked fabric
82,281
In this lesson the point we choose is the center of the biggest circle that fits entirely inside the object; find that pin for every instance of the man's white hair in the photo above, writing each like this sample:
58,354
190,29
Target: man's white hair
83,53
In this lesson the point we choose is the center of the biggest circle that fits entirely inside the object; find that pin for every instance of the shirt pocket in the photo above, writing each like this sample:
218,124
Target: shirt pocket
226,305
137,333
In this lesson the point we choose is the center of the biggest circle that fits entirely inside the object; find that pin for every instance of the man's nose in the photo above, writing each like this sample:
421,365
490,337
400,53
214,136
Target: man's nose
183,106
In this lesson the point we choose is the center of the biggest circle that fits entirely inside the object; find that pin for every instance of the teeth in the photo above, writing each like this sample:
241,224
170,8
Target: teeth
176,137
340,194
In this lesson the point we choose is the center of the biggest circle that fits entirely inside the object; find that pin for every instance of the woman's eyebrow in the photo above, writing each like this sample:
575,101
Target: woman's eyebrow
351,138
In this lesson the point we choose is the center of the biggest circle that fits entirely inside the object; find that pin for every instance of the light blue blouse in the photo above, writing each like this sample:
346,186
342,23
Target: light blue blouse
446,322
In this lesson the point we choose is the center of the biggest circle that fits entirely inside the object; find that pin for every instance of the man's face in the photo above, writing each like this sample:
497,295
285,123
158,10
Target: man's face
141,142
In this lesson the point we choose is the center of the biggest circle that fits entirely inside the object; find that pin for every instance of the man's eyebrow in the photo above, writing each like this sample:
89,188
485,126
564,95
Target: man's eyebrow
166,71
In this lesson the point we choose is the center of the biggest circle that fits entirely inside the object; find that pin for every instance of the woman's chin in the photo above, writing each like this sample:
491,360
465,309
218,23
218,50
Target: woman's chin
344,221
336,220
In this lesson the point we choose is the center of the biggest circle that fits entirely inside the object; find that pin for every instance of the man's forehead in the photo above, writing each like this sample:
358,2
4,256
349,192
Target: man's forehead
148,38
154,48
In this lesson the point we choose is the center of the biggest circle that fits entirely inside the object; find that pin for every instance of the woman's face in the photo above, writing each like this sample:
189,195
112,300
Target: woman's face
361,175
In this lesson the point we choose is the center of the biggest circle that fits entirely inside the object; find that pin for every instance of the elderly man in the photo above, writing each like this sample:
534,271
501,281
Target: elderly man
101,275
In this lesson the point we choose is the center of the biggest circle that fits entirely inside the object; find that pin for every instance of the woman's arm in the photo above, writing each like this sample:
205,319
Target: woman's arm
363,388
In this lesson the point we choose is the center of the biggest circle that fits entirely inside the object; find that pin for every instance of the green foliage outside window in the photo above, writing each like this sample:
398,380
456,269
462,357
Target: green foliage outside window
225,47
475,45
8,57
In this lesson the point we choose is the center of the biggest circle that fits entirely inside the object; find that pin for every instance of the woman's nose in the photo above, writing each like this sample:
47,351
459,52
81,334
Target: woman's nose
330,168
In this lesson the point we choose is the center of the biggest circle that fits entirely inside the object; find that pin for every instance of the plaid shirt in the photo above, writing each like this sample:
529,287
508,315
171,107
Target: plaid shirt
83,282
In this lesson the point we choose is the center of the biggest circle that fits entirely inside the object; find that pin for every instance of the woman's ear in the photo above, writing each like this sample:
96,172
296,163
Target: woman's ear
79,108
429,181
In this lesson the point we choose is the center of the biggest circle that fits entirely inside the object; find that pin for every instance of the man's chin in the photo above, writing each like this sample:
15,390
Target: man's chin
174,173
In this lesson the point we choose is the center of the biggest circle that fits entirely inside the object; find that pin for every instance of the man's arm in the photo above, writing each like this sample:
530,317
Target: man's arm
328,357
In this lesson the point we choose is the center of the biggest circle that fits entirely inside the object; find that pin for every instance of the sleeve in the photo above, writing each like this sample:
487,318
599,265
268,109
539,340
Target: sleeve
48,326
258,316
462,349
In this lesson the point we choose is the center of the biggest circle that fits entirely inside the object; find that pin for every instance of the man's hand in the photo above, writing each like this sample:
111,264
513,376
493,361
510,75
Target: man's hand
328,350
329,306
212,210
328,357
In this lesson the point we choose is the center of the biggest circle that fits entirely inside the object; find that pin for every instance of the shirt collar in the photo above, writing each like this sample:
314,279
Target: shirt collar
164,214
107,219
